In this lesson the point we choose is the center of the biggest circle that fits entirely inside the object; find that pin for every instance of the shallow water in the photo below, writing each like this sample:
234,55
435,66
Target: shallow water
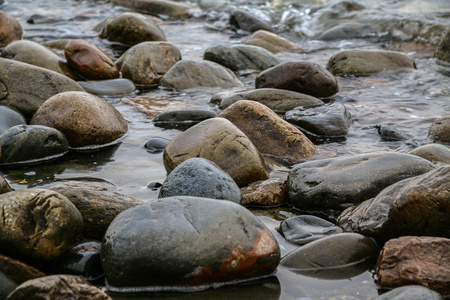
407,100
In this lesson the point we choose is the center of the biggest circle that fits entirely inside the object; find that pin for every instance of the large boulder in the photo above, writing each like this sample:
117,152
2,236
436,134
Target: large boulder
169,8
86,120
37,225
26,87
414,206
10,117
336,183
10,29
271,41
439,131
270,134
221,142
186,241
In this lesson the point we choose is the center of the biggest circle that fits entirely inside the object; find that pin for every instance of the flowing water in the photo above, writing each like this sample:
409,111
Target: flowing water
407,100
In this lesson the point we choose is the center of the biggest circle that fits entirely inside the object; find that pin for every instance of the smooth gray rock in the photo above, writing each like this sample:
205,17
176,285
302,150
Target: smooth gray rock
439,131
200,177
410,292
112,87
9,117
330,120
243,20
186,242
156,145
336,183
241,57
182,119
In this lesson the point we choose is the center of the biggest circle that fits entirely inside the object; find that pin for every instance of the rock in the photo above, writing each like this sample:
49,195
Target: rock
37,225
389,133
9,117
200,177
89,61
57,287
414,206
152,106
330,120
25,87
271,42
240,19
147,62
172,9
270,192
415,260
156,145
443,48
336,183
435,153
13,273
221,142
31,144
299,76
187,74
367,62
130,29
304,229
280,101
274,136
112,87
10,29
98,205
339,256
86,120
439,131
38,55
210,242
4,185
212,4
182,119
410,292
241,57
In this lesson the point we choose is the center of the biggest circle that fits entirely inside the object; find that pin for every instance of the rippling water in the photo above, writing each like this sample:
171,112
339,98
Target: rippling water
408,100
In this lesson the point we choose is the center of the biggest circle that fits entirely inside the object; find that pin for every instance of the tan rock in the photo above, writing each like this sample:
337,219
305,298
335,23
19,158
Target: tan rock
412,260
439,131
155,106
436,153
268,132
271,41
10,29
270,192
161,7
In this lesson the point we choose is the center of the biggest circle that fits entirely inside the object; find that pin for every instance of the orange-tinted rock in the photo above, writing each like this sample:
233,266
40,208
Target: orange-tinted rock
90,61
415,260
10,29
270,192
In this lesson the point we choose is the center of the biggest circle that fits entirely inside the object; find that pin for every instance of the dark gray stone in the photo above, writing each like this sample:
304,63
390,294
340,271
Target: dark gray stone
330,120
186,242
439,131
304,229
201,178
240,19
337,183
113,87
410,292
182,119
389,133
31,144
9,117
156,145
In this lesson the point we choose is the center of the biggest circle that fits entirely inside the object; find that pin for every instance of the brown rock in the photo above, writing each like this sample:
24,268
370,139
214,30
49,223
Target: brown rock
57,287
412,260
439,131
85,119
155,106
270,192
299,76
271,41
10,29
89,61
436,153
268,132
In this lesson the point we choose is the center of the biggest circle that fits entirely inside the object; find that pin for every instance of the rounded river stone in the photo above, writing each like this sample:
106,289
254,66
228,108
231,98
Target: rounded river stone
200,177
9,117
10,29
410,292
85,119
37,225
439,131
433,152
182,119
186,241
271,41
241,19
443,48
31,144
156,145
173,9
112,87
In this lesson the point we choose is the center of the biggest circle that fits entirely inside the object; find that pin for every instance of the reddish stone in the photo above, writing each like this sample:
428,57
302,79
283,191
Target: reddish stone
270,192
10,29
411,260
89,61
18,271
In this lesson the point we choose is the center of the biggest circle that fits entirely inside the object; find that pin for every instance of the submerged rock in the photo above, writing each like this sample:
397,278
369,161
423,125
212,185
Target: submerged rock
436,153
86,120
443,48
271,42
10,29
439,131
200,177
211,242
270,192
10,117
240,19
169,8
389,133
182,119
410,292
156,145
112,87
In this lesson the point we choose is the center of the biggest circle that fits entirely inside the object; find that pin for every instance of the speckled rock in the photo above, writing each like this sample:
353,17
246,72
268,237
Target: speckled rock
439,131
10,117
10,29
147,62
112,87
410,292
210,242
89,61
220,141
38,55
169,8
270,192
130,29
200,177
86,120
414,206
280,101
26,87
245,21
37,225
271,42
436,153
443,48
367,62
270,134
299,76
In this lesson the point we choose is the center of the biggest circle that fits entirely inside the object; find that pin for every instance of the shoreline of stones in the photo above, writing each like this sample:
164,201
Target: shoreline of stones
390,207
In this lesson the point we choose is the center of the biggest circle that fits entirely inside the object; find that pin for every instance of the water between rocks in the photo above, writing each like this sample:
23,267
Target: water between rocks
407,100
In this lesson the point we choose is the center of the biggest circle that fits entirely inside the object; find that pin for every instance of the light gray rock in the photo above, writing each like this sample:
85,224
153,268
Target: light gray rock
112,87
